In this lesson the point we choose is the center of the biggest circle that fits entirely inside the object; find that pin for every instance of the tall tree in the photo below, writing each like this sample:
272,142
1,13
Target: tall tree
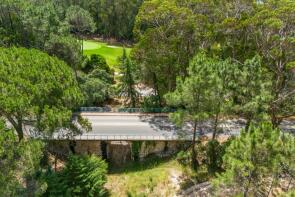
127,83
195,96
253,161
80,22
168,37
36,90
66,48
266,28
19,163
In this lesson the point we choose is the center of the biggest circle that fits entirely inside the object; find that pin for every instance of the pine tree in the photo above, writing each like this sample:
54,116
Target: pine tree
127,83
254,161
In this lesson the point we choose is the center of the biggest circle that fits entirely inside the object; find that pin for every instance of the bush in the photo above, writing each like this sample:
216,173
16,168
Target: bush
184,157
82,176
214,154
151,102
95,62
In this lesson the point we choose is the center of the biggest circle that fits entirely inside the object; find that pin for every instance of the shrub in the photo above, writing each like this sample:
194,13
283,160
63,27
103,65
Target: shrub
184,157
82,176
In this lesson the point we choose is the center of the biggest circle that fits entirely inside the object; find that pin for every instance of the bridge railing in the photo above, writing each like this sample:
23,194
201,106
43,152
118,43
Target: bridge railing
126,138
95,109
127,110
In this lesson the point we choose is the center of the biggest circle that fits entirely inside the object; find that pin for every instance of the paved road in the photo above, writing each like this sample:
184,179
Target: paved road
132,126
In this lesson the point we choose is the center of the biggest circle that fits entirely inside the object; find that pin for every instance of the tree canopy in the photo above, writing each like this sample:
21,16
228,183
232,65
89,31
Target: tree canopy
36,90
256,160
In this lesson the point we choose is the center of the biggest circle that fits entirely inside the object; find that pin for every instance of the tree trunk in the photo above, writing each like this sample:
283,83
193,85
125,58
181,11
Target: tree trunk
55,163
275,120
215,126
17,125
20,134
289,184
248,124
155,81
194,160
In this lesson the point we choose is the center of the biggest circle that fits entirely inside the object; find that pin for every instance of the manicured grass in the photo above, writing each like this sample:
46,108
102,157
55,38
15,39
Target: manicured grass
111,53
150,178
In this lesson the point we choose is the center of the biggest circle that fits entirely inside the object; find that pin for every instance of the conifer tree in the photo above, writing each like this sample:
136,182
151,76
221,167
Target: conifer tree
254,161
127,83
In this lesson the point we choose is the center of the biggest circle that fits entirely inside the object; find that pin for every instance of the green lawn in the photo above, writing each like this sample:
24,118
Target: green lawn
111,53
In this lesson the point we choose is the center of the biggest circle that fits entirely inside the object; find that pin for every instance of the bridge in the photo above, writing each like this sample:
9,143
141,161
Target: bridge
121,126
134,124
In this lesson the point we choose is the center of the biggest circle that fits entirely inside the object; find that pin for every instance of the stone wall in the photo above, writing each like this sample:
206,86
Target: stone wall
88,147
159,147
117,152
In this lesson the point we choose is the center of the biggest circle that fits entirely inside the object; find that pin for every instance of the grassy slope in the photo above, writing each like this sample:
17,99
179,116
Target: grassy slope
151,178
111,53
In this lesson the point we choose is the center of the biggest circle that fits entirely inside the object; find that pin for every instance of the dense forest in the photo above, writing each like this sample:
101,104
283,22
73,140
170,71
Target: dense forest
203,60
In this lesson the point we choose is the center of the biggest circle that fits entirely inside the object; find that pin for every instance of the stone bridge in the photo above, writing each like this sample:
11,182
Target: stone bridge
115,134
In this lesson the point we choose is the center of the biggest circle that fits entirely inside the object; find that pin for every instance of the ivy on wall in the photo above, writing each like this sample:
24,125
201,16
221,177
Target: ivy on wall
135,149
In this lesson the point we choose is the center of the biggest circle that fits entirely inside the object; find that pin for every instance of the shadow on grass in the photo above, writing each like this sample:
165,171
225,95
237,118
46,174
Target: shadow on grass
135,166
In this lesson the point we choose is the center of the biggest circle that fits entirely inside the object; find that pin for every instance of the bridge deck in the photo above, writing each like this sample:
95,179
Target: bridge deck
130,126
153,127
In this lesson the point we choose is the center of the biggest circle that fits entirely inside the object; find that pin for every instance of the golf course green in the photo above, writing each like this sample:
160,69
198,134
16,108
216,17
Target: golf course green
110,53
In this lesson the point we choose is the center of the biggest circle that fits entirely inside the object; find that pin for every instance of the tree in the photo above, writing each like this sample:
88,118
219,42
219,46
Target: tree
95,90
80,22
253,161
19,163
250,90
115,18
97,80
65,48
36,90
265,28
195,96
82,176
168,37
11,26
217,88
40,21
127,83
95,61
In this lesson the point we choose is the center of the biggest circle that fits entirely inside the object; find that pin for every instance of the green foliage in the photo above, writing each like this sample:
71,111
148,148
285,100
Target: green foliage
40,21
256,157
96,83
214,153
82,176
95,61
265,29
209,155
37,88
65,48
168,36
79,20
95,91
127,84
150,102
19,163
135,149
183,157
113,19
